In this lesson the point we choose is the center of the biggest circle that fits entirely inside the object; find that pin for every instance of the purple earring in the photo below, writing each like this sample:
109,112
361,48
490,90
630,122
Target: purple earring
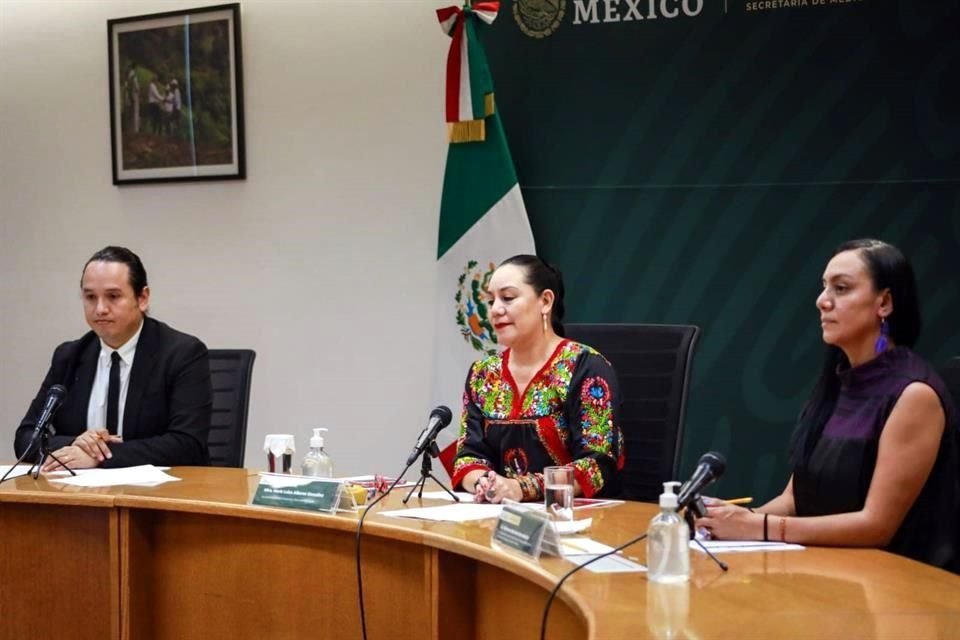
883,340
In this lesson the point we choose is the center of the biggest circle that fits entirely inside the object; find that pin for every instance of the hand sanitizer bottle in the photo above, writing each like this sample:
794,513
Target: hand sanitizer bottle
317,463
668,550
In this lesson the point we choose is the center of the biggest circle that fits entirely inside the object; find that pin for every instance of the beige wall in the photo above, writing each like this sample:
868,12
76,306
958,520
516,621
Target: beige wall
321,260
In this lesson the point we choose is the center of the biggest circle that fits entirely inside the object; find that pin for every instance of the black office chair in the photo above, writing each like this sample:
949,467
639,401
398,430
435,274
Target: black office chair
230,373
652,362
950,373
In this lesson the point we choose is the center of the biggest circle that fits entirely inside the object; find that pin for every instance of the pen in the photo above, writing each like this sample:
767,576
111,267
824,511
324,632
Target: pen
746,500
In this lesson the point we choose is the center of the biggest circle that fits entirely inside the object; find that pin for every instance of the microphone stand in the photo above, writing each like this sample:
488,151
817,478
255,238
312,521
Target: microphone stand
426,471
43,437
696,509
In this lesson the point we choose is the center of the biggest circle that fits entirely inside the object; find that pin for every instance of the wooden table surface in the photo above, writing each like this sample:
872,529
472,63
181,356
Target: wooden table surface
194,557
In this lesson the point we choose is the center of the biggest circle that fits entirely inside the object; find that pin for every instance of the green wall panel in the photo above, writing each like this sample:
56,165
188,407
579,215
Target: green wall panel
700,169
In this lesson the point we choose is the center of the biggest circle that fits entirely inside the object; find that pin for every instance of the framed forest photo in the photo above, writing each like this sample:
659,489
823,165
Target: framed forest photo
176,96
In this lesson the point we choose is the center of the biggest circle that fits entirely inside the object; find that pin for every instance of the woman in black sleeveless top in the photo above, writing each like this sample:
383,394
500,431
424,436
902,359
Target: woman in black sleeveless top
875,453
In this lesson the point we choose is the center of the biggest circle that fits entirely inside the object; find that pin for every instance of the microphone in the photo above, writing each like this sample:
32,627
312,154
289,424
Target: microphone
439,418
710,467
55,395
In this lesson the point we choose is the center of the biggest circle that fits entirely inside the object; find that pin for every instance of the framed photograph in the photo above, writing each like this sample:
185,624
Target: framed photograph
176,96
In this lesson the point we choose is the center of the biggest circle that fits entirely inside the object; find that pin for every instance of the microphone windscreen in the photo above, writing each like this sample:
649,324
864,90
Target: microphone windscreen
442,414
716,461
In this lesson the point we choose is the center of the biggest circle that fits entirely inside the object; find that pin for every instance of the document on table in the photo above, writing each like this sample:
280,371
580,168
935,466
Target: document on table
456,512
744,546
21,470
443,495
579,545
145,475
567,527
578,503
615,563
467,510
580,550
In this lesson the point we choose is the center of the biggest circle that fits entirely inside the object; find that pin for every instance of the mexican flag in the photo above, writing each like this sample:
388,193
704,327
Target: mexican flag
482,216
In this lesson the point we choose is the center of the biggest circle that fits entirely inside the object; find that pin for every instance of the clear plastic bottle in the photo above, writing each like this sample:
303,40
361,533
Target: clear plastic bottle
668,550
317,463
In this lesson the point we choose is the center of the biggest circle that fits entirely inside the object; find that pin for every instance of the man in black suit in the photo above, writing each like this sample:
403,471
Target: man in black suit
138,391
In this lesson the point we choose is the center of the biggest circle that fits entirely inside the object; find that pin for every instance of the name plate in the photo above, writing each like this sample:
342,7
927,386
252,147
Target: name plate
526,530
298,492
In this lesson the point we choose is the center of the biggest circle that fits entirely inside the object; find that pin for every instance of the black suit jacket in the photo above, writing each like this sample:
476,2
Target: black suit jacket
166,417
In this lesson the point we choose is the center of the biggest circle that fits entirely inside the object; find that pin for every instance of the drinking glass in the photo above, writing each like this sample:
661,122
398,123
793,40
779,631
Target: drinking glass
279,448
558,492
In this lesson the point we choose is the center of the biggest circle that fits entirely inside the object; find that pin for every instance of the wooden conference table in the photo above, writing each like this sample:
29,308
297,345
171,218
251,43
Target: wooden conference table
194,559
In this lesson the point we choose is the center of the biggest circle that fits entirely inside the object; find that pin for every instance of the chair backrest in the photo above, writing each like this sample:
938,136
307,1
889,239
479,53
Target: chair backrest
652,362
230,373
950,373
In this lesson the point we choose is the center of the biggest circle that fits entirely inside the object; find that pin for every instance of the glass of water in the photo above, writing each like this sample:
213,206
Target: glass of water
558,492
279,448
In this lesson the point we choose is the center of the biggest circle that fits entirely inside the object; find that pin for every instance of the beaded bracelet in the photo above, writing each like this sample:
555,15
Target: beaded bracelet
529,486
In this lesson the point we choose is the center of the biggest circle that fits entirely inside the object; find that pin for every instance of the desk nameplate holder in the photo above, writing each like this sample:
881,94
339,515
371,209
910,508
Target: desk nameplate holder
309,495
526,530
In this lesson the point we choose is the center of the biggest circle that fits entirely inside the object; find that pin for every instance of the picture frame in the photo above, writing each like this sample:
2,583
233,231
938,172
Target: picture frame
176,96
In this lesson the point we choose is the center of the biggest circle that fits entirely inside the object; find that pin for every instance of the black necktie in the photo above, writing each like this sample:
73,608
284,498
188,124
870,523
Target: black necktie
113,393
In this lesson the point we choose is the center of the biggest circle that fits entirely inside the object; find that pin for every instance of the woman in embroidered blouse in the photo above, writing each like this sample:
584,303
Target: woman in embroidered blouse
874,455
544,401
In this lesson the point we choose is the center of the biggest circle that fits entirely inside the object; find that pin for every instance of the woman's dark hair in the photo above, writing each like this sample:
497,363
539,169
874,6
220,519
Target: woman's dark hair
138,275
888,269
542,275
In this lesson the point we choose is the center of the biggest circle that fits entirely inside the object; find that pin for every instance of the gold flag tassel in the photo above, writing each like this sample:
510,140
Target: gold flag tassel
467,131
472,130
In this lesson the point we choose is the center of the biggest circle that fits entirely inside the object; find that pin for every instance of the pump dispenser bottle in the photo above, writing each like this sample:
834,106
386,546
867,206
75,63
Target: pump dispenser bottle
317,463
668,551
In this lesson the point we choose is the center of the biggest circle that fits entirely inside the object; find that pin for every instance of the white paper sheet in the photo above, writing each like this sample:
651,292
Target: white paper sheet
579,545
456,512
611,564
21,470
443,495
567,527
145,475
744,546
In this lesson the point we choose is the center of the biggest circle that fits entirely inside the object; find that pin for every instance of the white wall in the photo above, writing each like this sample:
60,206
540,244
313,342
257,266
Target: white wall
321,260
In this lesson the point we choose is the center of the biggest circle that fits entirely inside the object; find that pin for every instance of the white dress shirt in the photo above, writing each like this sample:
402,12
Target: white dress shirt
97,409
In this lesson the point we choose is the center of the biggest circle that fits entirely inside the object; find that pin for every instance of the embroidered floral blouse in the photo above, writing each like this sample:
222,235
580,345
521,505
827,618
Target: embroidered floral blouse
567,415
